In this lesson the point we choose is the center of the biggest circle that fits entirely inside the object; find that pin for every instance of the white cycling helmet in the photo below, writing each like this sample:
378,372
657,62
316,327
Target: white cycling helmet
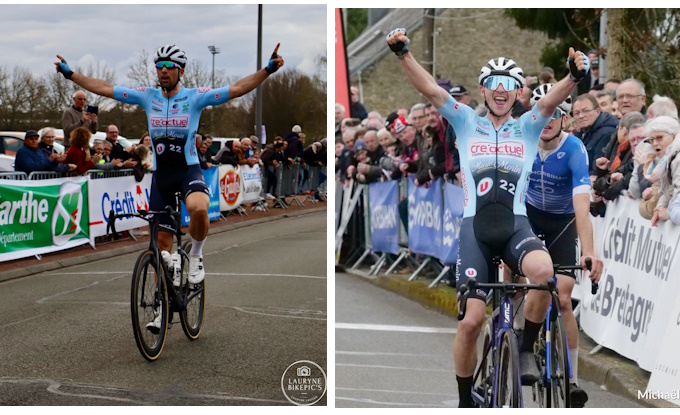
502,66
170,53
540,92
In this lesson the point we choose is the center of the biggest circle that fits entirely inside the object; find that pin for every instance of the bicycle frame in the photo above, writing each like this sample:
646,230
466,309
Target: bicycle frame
178,298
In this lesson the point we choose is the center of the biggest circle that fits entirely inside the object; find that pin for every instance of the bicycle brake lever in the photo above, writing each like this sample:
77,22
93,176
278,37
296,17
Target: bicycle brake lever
594,286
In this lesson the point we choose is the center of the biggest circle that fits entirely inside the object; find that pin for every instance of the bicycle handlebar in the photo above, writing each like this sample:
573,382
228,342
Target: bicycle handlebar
511,288
175,217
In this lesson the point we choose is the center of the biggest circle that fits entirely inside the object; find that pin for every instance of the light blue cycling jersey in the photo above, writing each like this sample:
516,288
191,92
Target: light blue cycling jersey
173,122
494,164
562,174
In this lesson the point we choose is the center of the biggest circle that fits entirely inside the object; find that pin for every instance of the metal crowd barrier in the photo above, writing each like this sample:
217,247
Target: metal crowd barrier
105,174
43,175
404,254
13,175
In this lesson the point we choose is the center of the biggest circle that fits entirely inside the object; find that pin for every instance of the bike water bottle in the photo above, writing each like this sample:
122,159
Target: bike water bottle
176,269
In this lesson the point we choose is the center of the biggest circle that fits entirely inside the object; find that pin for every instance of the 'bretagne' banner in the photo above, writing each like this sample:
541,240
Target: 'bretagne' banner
454,196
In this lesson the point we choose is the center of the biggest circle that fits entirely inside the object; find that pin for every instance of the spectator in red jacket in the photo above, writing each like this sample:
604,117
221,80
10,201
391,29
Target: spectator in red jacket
78,153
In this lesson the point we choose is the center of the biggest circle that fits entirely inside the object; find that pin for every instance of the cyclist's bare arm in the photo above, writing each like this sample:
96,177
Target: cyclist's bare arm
94,85
561,90
584,228
418,76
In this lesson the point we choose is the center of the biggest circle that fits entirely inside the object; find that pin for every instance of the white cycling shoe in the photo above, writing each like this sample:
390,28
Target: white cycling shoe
155,325
196,271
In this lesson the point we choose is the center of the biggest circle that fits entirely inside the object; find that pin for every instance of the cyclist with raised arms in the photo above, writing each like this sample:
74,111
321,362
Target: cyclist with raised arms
496,155
173,113
558,207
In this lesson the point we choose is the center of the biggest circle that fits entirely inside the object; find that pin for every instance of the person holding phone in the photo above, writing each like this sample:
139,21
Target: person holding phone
173,113
75,116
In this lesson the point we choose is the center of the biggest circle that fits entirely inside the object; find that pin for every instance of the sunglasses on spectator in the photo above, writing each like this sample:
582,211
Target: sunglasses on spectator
166,64
492,82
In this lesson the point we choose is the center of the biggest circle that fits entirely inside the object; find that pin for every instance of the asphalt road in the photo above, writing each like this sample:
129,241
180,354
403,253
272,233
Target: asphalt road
392,352
66,336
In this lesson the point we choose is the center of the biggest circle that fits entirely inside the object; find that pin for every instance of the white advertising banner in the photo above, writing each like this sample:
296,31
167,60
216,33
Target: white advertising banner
665,380
251,179
231,187
123,195
638,291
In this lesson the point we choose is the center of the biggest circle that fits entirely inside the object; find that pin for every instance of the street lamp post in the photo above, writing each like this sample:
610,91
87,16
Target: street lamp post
214,52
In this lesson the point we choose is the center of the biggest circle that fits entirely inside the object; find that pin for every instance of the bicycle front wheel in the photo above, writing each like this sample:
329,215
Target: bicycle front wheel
484,381
559,365
191,316
149,306
509,385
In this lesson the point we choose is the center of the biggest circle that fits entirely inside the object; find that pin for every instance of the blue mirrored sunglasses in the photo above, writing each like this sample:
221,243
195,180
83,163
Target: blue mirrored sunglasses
557,114
166,64
509,83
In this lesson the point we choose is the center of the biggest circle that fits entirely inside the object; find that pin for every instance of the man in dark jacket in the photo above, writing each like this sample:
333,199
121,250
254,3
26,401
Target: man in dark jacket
31,158
596,126
371,169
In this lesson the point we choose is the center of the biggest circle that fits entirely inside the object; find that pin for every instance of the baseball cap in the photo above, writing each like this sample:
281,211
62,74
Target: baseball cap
458,90
359,145
390,120
399,124
31,133
296,129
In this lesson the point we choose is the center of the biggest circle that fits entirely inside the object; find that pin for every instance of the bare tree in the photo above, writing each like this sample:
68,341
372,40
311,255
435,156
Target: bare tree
142,72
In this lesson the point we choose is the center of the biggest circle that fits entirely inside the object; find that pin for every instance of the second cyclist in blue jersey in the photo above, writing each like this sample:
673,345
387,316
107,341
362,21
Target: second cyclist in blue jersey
173,114
558,207
496,155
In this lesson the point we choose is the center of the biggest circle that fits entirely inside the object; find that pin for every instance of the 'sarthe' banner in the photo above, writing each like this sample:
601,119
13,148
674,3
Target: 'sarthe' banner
383,200
211,180
42,216
640,284
341,72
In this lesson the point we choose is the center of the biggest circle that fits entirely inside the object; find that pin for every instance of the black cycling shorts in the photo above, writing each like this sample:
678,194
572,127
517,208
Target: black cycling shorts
559,234
475,254
163,189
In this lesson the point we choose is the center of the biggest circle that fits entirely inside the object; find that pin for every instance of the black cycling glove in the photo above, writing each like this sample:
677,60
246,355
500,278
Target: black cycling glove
399,48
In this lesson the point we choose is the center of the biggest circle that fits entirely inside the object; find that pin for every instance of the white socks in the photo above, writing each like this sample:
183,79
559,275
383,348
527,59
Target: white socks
196,247
574,365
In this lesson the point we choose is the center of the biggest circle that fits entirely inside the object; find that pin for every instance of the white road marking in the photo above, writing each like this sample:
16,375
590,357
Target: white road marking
19,321
416,369
228,274
263,312
385,327
383,354
393,391
373,401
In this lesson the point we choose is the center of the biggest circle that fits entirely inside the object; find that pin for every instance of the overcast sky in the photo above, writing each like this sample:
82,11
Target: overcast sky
31,35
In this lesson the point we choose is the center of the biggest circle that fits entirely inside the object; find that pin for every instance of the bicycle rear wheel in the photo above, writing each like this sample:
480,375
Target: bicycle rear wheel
509,385
559,366
147,303
541,389
191,316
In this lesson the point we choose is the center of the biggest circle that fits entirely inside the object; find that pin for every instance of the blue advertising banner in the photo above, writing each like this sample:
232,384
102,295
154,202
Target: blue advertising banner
212,180
454,196
383,199
425,218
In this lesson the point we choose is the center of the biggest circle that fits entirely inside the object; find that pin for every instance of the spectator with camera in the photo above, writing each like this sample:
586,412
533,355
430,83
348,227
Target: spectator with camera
430,158
668,206
75,116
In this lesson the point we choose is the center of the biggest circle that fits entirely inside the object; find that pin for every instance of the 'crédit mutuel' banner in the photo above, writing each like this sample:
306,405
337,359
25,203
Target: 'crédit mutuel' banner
42,216
640,283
